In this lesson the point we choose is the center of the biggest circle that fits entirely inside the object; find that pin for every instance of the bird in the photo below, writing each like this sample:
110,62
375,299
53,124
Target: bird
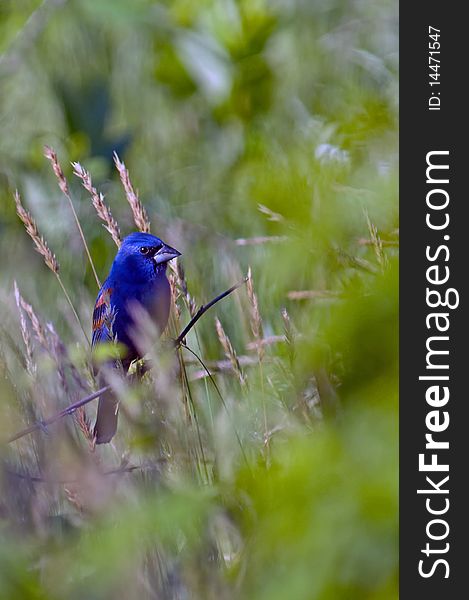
137,278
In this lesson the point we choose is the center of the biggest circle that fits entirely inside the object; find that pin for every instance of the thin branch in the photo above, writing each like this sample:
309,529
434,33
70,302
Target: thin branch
38,479
203,309
63,413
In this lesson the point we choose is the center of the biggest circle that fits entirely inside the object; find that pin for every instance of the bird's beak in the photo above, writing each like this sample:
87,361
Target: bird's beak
165,253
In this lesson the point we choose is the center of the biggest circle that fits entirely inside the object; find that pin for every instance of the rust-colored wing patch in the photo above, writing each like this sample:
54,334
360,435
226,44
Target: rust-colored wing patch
102,316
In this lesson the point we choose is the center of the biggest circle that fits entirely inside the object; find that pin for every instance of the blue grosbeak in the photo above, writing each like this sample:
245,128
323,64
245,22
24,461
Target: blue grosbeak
137,277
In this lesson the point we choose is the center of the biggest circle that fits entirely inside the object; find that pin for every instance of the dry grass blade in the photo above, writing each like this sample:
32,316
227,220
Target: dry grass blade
32,230
182,283
62,358
312,294
266,341
204,308
175,293
85,426
58,353
73,497
384,243
355,262
37,479
51,155
102,210
37,327
255,320
230,352
264,239
221,366
376,242
138,210
41,246
289,335
271,215
25,333
69,410
287,327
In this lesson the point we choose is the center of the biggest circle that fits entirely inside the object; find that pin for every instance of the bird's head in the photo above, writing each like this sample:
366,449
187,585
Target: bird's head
142,256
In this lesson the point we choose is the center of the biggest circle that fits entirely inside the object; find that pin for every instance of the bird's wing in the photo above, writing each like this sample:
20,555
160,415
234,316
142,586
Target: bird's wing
103,316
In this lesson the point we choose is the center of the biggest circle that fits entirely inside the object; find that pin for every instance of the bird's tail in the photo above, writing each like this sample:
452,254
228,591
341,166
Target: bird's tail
106,418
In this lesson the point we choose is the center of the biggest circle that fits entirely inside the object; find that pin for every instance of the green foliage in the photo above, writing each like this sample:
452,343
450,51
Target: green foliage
259,134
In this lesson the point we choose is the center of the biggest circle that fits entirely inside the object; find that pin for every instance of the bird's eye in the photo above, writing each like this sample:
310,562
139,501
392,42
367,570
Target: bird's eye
145,250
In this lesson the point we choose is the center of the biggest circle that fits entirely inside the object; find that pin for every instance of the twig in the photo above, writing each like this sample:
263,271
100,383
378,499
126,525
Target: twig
63,413
181,281
203,309
257,331
37,326
38,479
356,262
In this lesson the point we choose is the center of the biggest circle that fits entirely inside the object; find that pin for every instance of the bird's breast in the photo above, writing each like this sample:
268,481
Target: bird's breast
156,300
154,297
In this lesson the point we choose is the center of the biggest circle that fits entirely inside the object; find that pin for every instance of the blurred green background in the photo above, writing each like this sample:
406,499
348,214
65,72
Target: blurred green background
258,133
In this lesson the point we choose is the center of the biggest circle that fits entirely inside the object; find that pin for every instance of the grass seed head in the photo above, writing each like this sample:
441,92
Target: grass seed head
138,210
32,230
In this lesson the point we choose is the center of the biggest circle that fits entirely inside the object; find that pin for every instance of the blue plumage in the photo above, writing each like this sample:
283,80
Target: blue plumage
137,278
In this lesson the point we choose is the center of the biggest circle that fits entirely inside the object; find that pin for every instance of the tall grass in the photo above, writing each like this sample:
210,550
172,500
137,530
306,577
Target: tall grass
259,458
